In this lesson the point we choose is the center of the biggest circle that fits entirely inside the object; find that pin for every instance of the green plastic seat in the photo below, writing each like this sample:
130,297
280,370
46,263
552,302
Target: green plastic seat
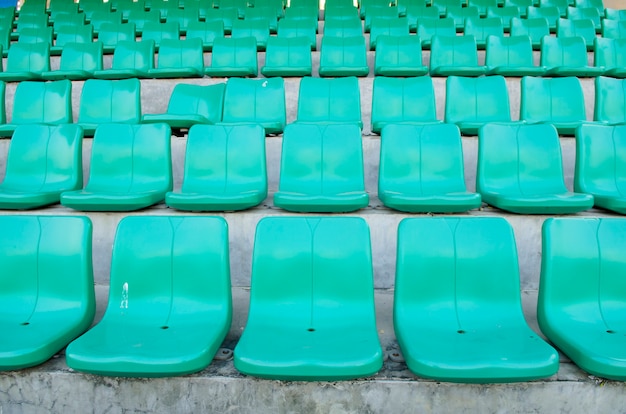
421,170
109,101
140,18
399,56
520,170
482,5
205,31
26,61
340,12
238,5
71,34
535,28
170,305
29,22
504,13
288,57
130,9
614,29
42,162
610,100
165,7
131,169
597,4
511,56
224,169
112,34
65,19
581,293
343,57
614,14
78,61
387,27
578,13
265,15
556,101
277,6
522,5
190,105
183,17
233,57
378,12
366,5
482,28
321,169
256,101
130,60
253,28
99,18
227,16
428,28
36,35
157,31
550,13
610,54
56,7
402,101
179,59
47,286
474,102
442,5
343,27
418,12
90,7
600,165
577,28
318,327
459,14
306,16
455,55
457,306
561,5
290,29
329,101
31,7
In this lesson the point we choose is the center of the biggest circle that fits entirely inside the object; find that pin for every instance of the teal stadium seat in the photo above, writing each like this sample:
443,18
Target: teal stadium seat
225,15
455,55
90,7
224,169
131,9
418,12
614,14
343,57
318,327
66,19
321,169
610,54
428,28
190,105
112,34
598,4
99,18
130,60
26,61
131,169
504,13
566,56
79,61
391,27
290,29
610,101
47,286
329,101
481,29
140,18
29,22
578,13
535,28
482,5
36,35
71,34
600,157
206,31
170,305
183,17
561,5
442,5
457,306
459,14
287,57
343,27
157,31
421,170
179,59
233,57
511,56
522,5
379,12
265,15
577,28
581,292
42,162
252,28
550,13
520,170
614,29
399,56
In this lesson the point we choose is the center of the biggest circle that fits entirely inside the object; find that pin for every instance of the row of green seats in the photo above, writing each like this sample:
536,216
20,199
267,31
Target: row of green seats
464,325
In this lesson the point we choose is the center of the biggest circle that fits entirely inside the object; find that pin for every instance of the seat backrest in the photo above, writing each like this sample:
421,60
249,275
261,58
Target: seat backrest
505,13
416,12
105,101
550,13
260,101
82,56
187,261
563,51
28,57
484,99
536,28
597,4
577,13
459,14
288,52
297,28
552,100
134,55
207,101
223,158
175,53
321,159
226,15
329,100
398,51
229,52
340,52
610,53
384,26
460,271
45,158
424,159
74,34
610,100
205,31
258,29
158,31
131,158
600,160
111,34
43,103
36,35
99,18
480,28
343,27
332,255
614,29
482,5
453,51
427,28
509,51
519,159
570,28
561,5
3,116
614,14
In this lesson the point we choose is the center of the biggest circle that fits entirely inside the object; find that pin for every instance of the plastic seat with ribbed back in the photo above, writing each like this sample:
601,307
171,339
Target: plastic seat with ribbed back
442,5
267,15
340,12
170,304
226,16
610,54
576,13
511,56
157,31
483,28
224,169
47,292
329,101
614,29
79,61
421,170
391,27
26,61
520,169
233,57
522,5
130,60
577,28
600,162
399,56
504,13
474,102
550,13
343,56
581,292
190,105
100,18
111,34
321,169
455,55
567,56
32,7
343,27
556,101
427,28
459,14
238,5
40,103
457,306
277,5
252,28
131,169
206,31
610,101
43,161
71,34
402,101
256,101
287,57
305,16
290,29
320,326
536,29
109,101
179,59
183,17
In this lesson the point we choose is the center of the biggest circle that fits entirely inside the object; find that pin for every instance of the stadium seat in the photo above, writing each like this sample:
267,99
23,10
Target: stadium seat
598,4
318,327
109,101
64,20
79,61
459,14
399,56
130,60
343,57
457,306
179,59
483,28
233,57
482,5
577,28
614,29
267,16
157,31
190,105
550,13
130,169
5,36
421,170
535,28
321,169
90,7
504,13
610,54
340,12
614,14
393,27
522,5
298,28
343,27
455,55
511,56
172,322
252,28
561,5
29,22
183,17
402,101
42,162
581,293
166,8
566,56
36,35
71,34
205,31
132,9
474,102
224,169
378,12
110,34
556,101
419,12
520,170
578,13
442,5
329,101
428,28
227,16
306,16
372,6
287,57
98,19
26,61
256,101
140,18
610,101
47,286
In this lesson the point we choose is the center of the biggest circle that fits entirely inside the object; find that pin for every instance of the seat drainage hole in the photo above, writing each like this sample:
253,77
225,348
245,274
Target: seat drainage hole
460,331
165,327
25,323
223,354
311,330
610,331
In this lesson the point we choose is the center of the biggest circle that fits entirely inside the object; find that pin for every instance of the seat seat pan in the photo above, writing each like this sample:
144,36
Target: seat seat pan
270,127
120,74
564,203
175,73
11,199
286,71
19,76
616,202
321,203
225,71
67,74
175,120
214,202
583,71
615,72
344,70
517,71
110,201
431,203
377,127
458,71
400,70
